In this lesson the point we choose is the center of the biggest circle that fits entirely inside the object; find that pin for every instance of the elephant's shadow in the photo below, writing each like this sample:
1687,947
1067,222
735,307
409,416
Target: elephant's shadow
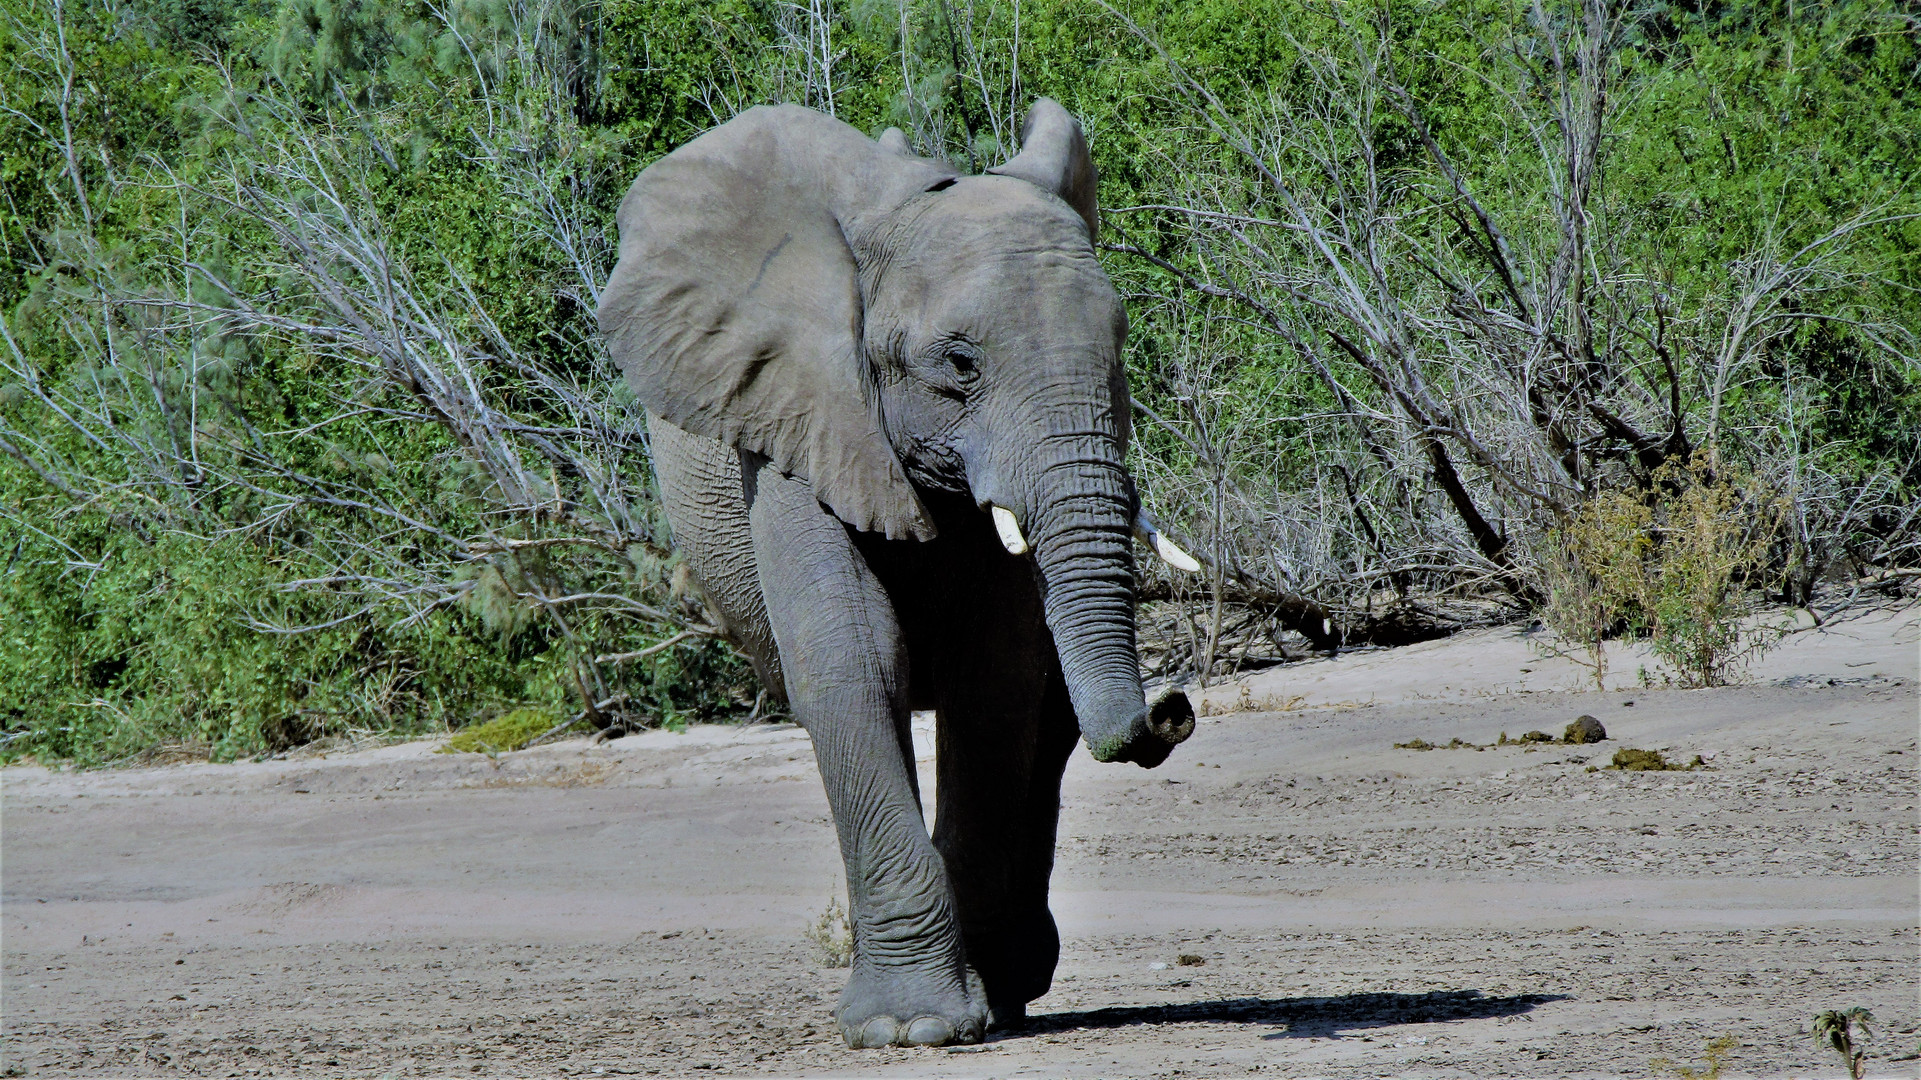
1298,1017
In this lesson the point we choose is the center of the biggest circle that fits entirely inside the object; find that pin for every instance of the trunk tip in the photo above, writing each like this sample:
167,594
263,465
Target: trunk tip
1170,714
1165,723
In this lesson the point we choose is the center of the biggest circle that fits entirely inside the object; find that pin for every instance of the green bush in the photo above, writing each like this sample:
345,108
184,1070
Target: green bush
193,458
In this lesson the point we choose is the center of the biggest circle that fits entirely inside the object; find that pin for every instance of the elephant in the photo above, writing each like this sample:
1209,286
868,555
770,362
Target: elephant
889,420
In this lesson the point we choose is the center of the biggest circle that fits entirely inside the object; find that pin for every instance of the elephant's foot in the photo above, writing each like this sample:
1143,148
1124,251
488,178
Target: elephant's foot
910,1007
1007,1001
1016,960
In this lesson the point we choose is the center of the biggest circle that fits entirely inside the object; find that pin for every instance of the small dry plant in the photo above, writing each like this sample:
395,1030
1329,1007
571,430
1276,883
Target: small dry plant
585,774
1716,1052
1595,570
1671,564
1246,702
832,935
1837,1030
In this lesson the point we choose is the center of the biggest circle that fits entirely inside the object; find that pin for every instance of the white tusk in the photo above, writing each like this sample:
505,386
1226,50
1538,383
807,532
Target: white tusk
1168,550
1010,530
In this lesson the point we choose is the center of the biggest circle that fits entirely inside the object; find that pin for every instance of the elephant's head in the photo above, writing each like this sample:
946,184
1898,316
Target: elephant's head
882,326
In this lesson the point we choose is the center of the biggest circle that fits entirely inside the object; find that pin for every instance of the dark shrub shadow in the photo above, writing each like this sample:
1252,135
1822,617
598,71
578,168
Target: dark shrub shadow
1299,1018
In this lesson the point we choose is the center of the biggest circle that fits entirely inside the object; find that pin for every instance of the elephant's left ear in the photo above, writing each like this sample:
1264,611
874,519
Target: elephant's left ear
1054,156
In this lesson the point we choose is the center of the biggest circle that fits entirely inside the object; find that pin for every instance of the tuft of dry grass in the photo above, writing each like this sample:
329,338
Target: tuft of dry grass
351,742
174,753
1716,1052
832,936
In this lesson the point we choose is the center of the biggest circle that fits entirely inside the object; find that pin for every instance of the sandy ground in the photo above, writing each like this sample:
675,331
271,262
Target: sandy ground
637,907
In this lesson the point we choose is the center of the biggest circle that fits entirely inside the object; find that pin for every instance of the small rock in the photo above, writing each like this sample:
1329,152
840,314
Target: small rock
1584,729
1190,960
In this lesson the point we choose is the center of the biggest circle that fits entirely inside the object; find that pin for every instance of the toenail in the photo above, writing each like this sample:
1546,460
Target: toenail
880,1031
929,1031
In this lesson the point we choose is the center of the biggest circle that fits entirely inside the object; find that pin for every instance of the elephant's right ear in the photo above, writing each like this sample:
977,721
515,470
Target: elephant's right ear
1054,156
735,309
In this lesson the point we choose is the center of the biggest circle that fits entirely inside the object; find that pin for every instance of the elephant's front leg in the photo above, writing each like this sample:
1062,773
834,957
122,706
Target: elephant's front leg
1000,766
846,669
1006,731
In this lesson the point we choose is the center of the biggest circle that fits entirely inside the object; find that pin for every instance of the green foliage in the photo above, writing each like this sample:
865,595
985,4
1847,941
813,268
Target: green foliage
1809,113
506,732
484,145
142,609
154,644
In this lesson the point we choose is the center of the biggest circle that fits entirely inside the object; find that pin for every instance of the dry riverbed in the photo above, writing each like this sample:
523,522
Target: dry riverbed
636,908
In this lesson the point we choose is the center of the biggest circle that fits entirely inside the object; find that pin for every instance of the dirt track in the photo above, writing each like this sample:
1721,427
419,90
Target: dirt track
636,908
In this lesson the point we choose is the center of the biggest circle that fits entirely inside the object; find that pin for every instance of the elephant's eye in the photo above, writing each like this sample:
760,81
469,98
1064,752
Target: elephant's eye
949,366
965,367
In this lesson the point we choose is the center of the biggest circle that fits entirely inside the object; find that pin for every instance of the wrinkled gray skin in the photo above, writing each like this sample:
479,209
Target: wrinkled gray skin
848,353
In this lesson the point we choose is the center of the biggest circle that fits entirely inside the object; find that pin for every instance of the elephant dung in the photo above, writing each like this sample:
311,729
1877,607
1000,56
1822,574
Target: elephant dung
1585,729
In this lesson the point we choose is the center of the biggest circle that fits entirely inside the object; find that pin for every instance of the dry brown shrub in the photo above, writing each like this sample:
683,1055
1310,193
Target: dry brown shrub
1673,564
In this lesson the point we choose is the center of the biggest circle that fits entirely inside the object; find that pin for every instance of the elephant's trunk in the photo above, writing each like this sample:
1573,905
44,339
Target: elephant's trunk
1082,536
